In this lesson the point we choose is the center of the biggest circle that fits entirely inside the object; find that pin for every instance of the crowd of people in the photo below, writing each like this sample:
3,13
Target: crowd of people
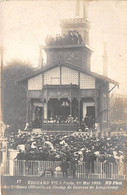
88,123
118,126
73,37
62,119
69,146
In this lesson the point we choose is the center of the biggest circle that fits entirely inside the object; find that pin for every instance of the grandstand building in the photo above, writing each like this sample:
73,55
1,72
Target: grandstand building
66,87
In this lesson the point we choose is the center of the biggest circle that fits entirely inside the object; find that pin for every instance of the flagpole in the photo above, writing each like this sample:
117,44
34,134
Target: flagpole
3,140
1,70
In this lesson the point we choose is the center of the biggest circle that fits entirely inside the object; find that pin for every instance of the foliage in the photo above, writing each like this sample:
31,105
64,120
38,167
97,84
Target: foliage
118,107
14,95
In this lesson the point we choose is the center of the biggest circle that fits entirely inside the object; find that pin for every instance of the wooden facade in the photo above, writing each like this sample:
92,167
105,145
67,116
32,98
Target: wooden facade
67,80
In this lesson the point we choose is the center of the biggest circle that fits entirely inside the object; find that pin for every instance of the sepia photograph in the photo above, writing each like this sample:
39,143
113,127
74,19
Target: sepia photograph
63,97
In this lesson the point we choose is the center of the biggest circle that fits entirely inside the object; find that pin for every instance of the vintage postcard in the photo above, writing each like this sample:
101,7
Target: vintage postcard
63,97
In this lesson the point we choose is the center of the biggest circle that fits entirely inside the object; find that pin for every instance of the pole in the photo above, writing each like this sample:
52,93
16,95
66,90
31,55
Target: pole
71,100
1,70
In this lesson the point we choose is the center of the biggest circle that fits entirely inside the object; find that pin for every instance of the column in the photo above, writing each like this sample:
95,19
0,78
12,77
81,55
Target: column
4,151
71,107
79,110
27,107
12,156
45,108
71,101
96,111
97,122
84,110
29,110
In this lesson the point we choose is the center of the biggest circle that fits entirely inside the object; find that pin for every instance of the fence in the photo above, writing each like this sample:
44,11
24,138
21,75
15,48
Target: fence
33,168
99,170
94,170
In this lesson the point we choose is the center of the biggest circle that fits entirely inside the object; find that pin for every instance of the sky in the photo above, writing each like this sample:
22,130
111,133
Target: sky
25,24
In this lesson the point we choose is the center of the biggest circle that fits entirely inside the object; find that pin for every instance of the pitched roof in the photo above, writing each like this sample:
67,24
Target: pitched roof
69,65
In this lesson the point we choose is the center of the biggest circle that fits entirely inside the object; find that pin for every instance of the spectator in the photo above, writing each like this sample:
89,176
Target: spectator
72,38
64,167
73,166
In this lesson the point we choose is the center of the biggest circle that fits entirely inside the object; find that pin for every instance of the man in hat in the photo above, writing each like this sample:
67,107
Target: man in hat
73,166
64,167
